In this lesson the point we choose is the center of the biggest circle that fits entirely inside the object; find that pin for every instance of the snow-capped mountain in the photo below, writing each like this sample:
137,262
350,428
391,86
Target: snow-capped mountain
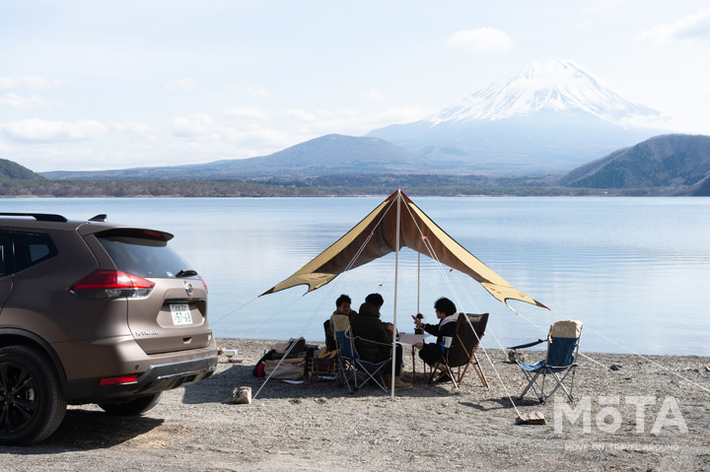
551,116
544,86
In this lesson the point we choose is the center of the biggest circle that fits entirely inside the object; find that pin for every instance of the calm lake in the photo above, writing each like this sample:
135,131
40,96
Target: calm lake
636,271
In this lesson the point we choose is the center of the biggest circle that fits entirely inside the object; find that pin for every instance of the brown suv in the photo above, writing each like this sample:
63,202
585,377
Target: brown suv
93,313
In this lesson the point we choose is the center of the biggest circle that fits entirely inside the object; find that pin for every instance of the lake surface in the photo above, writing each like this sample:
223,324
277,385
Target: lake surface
636,271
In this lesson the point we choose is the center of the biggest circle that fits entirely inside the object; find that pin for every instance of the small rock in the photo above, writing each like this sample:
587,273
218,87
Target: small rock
707,368
241,396
615,367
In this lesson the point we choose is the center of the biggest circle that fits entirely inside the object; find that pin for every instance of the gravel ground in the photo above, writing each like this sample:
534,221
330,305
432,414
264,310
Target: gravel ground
650,414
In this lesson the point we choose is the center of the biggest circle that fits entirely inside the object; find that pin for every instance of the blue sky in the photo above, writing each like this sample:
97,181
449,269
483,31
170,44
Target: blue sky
88,85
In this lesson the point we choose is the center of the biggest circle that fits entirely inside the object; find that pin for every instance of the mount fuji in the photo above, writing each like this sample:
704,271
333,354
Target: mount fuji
550,117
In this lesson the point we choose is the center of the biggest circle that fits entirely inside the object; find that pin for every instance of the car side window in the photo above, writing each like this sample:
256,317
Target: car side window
31,249
5,251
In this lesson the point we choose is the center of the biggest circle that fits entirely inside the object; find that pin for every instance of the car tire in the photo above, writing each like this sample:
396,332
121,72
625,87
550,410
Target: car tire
134,407
31,404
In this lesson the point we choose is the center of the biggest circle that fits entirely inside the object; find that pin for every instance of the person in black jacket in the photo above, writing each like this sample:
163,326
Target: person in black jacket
444,331
367,325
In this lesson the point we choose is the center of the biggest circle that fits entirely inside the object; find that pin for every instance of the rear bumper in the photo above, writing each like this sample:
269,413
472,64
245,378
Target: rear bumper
155,379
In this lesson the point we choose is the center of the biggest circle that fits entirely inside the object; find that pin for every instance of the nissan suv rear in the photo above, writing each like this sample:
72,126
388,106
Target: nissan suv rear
93,313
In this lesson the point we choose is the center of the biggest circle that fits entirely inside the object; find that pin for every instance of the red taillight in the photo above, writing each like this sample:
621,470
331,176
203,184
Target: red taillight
124,379
203,282
112,284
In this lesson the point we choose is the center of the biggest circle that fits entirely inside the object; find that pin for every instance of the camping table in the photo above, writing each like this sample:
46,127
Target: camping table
412,339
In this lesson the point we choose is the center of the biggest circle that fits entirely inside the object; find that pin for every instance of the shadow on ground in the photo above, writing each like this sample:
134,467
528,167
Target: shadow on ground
84,430
219,387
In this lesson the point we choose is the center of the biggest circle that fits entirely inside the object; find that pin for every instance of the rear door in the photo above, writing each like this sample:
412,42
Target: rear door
173,316
5,266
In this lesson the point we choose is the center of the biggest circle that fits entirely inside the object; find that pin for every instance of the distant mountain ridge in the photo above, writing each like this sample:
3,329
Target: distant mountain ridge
550,117
679,163
664,165
675,160
14,171
332,154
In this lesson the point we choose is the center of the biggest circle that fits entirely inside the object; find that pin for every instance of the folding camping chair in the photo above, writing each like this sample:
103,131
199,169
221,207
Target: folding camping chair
350,364
562,348
462,351
330,344
344,368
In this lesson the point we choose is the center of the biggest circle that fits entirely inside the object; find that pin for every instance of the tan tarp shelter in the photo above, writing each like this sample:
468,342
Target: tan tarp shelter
376,236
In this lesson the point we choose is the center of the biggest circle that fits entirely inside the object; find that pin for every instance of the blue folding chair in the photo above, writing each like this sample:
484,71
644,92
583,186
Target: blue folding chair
562,348
350,364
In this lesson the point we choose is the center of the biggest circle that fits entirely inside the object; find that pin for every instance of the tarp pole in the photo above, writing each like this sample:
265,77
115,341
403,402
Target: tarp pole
419,278
396,274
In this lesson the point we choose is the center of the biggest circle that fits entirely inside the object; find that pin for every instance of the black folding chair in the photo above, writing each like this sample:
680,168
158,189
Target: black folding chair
462,351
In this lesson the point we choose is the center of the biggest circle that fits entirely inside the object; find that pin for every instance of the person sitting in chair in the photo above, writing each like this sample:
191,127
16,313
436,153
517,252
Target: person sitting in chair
444,331
342,305
367,325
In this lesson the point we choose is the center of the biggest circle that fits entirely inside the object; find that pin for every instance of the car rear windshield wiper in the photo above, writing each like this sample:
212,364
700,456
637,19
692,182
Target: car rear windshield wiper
186,273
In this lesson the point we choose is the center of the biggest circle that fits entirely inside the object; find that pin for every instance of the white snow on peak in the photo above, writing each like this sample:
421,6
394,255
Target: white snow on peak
544,85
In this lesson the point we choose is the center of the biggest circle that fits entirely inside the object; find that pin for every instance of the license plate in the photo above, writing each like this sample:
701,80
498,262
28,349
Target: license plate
181,314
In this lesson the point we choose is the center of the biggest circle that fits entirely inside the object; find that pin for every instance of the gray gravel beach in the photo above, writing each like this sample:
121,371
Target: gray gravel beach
648,414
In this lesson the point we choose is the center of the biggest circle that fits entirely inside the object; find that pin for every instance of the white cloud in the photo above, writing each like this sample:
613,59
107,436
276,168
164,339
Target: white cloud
251,113
193,125
203,130
260,139
28,83
404,115
301,115
481,40
140,130
256,91
34,130
12,100
374,95
181,85
351,121
690,28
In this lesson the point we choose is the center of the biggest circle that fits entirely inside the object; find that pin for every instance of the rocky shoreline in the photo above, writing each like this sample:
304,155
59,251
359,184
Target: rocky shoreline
632,413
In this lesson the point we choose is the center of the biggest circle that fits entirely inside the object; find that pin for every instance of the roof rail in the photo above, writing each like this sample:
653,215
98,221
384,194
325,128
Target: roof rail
39,216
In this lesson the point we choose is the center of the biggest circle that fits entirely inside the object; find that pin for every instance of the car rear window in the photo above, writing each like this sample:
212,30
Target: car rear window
143,253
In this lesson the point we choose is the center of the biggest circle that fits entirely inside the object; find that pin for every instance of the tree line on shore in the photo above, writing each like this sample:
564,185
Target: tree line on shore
421,185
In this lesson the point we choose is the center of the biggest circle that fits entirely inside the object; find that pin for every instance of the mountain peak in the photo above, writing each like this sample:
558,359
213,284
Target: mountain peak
544,85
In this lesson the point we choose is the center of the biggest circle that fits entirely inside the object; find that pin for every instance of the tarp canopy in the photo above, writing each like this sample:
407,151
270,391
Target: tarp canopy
375,236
